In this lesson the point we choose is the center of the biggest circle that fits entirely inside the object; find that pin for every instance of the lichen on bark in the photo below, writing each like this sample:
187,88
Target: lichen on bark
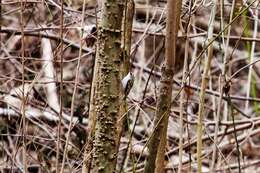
108,86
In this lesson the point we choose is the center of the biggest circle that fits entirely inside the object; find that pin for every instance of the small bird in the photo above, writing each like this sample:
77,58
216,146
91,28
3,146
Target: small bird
90,34
127,82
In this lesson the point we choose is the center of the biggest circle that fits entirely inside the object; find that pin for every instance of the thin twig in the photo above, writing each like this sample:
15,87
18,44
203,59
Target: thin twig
61,89
74,90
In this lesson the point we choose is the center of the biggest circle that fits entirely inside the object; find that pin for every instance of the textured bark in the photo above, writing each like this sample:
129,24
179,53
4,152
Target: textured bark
162,112
108,85
157,143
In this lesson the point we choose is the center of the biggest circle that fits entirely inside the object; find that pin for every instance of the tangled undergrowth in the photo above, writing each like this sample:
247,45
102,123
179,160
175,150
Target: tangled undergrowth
31,61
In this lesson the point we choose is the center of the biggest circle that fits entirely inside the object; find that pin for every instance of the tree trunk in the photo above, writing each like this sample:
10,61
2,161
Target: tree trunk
108,87
157,143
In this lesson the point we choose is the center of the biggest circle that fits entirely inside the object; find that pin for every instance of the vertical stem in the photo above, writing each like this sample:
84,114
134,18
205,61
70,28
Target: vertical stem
224,70
74,89
23,89
158,140
87,161
182,99
201,111
109,83
127,23
203,87
252,53
61,89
